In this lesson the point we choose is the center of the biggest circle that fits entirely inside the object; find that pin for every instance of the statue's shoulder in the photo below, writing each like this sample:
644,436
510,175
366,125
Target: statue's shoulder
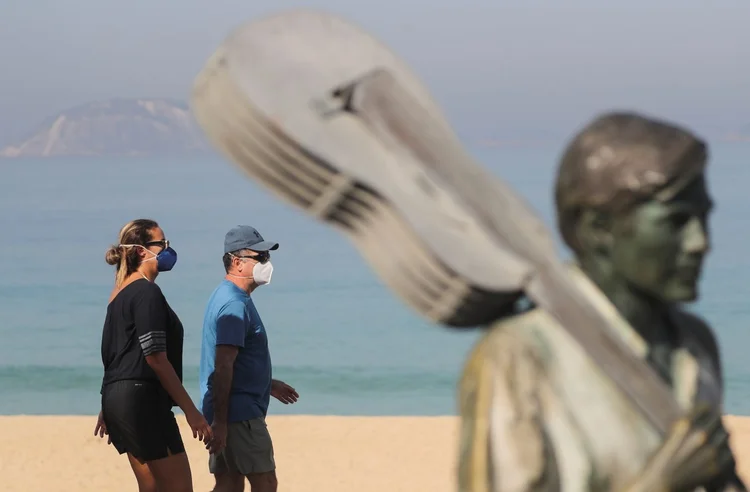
698,333
513,337
695,324
505,352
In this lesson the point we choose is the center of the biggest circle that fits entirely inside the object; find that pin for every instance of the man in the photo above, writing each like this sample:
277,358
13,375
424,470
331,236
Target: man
537,412
235,370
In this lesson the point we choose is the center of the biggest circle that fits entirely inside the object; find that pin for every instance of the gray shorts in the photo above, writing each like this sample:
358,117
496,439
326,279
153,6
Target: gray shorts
249,449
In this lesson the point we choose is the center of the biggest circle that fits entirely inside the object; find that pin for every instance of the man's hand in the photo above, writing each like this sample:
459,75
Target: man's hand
219,441
101,429
283,392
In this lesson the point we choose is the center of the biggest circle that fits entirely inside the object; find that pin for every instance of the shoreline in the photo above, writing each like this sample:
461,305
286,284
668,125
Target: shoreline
314,453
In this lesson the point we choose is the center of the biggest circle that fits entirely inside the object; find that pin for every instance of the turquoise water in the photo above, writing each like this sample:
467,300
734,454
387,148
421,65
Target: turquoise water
337,335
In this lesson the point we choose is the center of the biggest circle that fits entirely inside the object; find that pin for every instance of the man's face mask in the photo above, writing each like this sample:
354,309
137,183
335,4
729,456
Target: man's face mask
262,270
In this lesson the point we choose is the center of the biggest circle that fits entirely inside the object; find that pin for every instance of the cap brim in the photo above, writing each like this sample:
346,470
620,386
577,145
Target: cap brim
264,246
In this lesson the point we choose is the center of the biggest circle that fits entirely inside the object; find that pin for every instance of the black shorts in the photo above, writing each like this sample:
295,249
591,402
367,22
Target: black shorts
139,419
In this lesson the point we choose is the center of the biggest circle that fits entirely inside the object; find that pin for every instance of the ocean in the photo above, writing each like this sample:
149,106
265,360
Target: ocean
344,341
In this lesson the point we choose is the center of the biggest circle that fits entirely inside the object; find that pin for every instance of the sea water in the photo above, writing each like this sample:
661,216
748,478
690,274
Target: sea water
343,340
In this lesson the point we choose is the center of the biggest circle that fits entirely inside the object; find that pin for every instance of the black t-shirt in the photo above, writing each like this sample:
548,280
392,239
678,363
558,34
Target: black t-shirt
139,323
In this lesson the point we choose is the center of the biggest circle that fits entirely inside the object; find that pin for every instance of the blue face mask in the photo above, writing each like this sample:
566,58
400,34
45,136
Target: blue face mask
166,259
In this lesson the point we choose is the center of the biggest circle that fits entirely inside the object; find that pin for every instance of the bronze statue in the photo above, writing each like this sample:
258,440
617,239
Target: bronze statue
538,415
333,123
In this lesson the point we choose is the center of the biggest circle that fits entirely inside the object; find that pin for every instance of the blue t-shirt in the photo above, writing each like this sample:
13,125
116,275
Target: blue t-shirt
231,319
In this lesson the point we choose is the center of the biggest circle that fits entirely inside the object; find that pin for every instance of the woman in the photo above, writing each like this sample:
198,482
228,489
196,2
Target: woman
142,357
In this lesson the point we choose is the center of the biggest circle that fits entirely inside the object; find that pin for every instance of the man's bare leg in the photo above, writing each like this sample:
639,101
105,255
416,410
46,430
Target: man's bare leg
263,482
229,481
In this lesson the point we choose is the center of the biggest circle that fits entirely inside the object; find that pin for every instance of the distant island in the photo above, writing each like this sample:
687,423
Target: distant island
161,126
741,135
116,127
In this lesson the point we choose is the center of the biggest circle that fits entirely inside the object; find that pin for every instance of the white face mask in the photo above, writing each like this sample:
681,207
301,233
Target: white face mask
262,273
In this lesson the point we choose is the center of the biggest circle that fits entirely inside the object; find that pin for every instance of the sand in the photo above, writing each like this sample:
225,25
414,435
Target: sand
326,454
313,454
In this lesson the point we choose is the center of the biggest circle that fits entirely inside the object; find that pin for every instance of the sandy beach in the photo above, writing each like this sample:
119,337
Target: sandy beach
313,454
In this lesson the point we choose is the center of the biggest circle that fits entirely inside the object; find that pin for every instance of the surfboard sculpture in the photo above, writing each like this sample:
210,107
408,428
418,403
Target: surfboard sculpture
332,122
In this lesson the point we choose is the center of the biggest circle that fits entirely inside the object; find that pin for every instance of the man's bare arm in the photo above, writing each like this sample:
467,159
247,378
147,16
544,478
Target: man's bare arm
222,380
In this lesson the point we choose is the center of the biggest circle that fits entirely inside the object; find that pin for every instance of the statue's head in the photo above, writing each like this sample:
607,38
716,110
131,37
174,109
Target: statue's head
632,202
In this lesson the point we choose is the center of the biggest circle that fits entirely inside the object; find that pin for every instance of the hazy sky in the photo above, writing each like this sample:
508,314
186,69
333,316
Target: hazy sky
500,68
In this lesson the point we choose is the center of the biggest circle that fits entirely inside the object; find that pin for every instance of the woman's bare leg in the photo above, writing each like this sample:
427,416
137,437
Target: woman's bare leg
146,480
172,473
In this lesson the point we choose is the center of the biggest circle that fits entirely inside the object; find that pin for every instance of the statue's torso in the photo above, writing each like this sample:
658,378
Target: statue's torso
552,420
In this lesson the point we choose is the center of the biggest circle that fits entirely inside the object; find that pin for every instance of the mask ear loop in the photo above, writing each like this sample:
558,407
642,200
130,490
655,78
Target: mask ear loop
243,260
142,246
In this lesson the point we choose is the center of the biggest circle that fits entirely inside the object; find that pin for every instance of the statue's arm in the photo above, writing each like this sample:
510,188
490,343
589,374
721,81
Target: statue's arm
698,444
707,339
504,447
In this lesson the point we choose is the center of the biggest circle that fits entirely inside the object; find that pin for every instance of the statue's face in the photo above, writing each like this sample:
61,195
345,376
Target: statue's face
659,247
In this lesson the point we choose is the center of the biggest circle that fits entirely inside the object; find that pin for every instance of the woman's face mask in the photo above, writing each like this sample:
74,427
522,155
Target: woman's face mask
165,259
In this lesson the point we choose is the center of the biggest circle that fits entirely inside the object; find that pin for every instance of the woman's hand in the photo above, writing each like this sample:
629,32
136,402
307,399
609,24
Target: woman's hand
101,428
201,429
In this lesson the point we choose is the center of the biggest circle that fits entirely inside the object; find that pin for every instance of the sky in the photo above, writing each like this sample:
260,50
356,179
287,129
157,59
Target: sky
501,69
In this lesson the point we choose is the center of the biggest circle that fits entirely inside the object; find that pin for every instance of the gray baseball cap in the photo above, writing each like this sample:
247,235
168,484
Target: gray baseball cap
246,237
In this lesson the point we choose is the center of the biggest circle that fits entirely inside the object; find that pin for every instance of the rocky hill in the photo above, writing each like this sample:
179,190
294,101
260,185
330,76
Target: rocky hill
117,127
740,135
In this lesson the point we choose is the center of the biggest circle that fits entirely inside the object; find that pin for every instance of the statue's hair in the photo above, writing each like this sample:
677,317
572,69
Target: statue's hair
620,160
